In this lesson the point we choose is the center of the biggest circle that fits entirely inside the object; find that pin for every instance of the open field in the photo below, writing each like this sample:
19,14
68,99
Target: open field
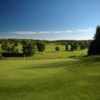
51,79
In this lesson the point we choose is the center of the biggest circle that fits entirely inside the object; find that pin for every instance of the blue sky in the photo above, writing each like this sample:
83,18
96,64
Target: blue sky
49,19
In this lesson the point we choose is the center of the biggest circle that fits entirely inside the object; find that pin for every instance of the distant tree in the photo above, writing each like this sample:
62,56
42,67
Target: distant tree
41,46
72,48
94,48
87,43
57,48
82,46
76,45
67,48
28,48
17,50
16,44
13,49
5,46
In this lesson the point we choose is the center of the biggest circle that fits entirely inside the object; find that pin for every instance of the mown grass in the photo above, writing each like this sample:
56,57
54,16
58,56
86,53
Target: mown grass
50,79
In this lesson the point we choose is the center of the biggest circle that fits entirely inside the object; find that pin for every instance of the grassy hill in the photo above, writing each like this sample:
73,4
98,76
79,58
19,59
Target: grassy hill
51,79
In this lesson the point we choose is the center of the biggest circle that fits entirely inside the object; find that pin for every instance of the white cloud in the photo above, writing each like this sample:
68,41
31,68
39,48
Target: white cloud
86,30
24,32
43,32
40,32
66,31
57,31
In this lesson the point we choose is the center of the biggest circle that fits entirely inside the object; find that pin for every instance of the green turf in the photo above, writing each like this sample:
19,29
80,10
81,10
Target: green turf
51,79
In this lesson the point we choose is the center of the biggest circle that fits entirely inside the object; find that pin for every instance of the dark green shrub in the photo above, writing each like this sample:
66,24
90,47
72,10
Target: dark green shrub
41,46
57,49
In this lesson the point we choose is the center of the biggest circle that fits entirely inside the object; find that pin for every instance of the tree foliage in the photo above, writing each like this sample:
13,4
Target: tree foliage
67,47
40,46
5,46
82,46
94,48
57,48
28,48
72,47
76,45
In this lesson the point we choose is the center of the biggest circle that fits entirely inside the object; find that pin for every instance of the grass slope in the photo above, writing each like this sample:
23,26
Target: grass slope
52,79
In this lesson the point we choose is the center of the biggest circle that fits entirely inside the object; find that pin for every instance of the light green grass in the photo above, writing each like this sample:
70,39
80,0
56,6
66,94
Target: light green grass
59,55
51,47
51,79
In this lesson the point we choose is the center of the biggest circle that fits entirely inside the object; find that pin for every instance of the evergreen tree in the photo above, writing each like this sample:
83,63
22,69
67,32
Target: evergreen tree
94,48
57,48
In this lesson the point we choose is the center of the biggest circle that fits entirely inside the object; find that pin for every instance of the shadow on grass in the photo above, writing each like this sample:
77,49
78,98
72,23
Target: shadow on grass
91,59
58,64
88,60
72,57
51,65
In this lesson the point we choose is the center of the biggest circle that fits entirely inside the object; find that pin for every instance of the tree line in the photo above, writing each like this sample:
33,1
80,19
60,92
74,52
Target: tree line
29,46
74,45
9,46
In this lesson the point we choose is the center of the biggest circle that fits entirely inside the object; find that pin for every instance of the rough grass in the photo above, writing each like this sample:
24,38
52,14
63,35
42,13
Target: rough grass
52,79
